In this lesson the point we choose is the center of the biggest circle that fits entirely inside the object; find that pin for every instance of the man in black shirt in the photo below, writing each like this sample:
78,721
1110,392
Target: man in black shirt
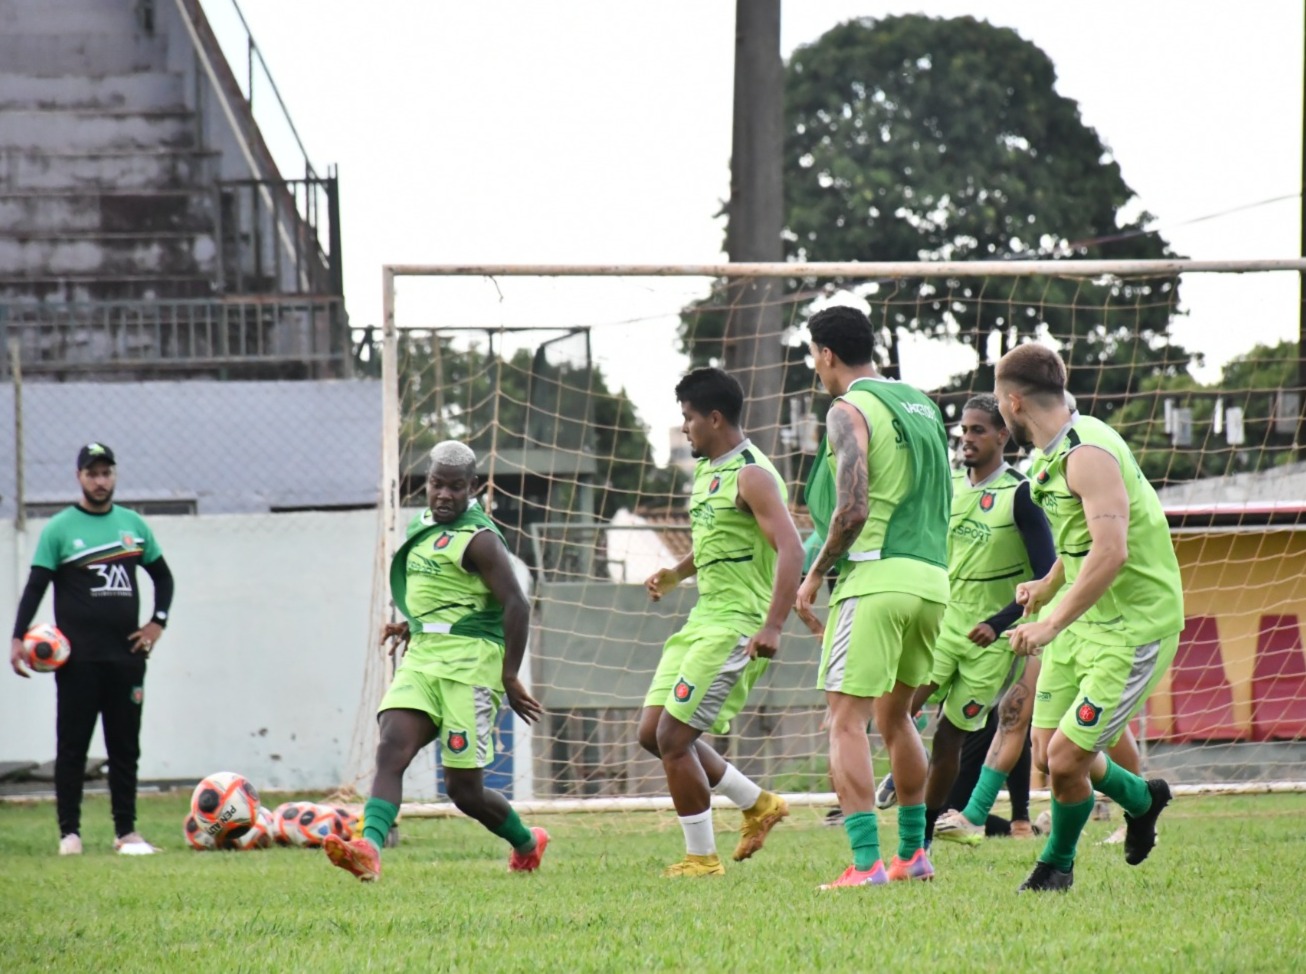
90,552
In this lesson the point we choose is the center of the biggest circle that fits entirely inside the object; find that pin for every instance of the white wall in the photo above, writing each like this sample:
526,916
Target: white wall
261,667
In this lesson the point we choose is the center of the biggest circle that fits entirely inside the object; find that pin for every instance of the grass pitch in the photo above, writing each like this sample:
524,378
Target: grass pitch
1222,892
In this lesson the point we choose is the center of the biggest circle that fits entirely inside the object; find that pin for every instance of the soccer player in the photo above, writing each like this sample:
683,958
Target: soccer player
748,559
1114,626
465,635
90,552
885,521
998,537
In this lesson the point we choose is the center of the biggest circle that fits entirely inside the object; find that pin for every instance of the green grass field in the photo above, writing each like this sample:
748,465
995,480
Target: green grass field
1222,892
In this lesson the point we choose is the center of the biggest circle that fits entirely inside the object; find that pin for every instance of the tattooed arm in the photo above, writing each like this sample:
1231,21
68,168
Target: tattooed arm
849,441
849,438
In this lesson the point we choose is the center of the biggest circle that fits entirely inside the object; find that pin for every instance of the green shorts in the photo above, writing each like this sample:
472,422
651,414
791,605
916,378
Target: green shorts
704,677
972,679
875,641
1090,691
464,715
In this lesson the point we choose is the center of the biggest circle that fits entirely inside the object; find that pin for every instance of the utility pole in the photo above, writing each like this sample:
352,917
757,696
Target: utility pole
753,353
1297,441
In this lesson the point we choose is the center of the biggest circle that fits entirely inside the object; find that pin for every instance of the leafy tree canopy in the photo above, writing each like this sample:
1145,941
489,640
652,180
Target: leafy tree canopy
919,138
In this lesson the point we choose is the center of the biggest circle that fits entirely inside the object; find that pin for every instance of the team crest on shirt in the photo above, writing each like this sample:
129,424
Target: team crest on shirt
972,709
715,485
682,691
443,540
1087,713
1042,477
986,501
138,695
128,539
457,741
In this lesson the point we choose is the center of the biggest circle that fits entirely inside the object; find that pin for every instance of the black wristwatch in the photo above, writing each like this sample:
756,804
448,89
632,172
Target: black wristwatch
160,618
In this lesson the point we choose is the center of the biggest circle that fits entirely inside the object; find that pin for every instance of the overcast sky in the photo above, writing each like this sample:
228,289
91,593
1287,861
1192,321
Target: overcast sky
599,132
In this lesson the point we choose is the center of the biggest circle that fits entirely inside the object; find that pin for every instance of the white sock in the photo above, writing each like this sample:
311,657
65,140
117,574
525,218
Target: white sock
700,840
744,792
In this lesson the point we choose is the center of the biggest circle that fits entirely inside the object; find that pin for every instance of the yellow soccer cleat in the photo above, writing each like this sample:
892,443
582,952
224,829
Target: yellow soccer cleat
758,823
695,866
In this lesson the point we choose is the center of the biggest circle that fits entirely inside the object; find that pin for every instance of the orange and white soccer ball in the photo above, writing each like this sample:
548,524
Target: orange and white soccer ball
316,822
225,805
258,836
285,823
45,648
196,837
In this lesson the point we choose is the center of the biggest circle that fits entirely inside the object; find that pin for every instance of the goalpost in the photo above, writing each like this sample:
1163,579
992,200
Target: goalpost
561,379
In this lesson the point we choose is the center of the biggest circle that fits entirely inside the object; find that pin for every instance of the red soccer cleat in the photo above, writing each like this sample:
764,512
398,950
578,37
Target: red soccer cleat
852,876
528,862
358,857
917,867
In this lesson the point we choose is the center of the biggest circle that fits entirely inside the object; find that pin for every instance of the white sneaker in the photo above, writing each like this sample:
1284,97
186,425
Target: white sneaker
133,845
70,845
952,826
1116,837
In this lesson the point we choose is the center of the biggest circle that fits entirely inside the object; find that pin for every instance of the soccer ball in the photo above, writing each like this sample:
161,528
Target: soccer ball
225,806
45,648
258,836
353,823
316,822
285,824
196,837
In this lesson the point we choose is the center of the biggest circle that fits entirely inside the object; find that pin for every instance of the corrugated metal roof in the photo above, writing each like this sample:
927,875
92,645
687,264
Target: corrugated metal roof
233,447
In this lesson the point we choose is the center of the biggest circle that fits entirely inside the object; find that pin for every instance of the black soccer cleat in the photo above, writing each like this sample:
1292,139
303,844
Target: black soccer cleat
1047,878
1140,833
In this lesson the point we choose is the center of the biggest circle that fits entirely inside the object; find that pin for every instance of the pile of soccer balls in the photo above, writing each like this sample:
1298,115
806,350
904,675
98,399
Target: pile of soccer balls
225,813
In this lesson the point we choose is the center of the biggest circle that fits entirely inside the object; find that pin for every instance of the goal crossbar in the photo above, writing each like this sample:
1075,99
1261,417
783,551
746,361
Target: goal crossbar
889,269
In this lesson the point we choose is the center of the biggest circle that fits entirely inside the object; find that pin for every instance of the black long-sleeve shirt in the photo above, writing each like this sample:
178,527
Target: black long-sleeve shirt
1034,530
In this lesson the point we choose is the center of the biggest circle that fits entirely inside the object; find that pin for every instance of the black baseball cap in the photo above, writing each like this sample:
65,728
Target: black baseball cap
92,453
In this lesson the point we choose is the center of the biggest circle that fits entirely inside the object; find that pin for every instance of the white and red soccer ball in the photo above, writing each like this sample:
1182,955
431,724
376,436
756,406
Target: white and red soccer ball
45,648
307,824
225,806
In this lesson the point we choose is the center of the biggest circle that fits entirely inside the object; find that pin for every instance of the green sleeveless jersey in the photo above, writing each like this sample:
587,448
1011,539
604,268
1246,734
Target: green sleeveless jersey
986,553
1145,600
734,563
456,623
903,546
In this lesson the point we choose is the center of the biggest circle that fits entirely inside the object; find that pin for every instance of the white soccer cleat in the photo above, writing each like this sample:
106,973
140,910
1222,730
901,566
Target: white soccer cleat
70,845
952,826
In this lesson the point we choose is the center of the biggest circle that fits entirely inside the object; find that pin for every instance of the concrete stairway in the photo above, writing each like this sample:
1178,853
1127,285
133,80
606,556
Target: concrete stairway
104,191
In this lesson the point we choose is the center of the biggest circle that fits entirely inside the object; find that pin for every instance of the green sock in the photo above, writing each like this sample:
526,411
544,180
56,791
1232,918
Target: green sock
985,794
1124,788
864,836
517,835
911,830
1068,822
378,816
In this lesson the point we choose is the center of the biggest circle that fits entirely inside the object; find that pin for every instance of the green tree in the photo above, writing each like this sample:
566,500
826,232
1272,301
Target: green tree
1250,382
916,138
